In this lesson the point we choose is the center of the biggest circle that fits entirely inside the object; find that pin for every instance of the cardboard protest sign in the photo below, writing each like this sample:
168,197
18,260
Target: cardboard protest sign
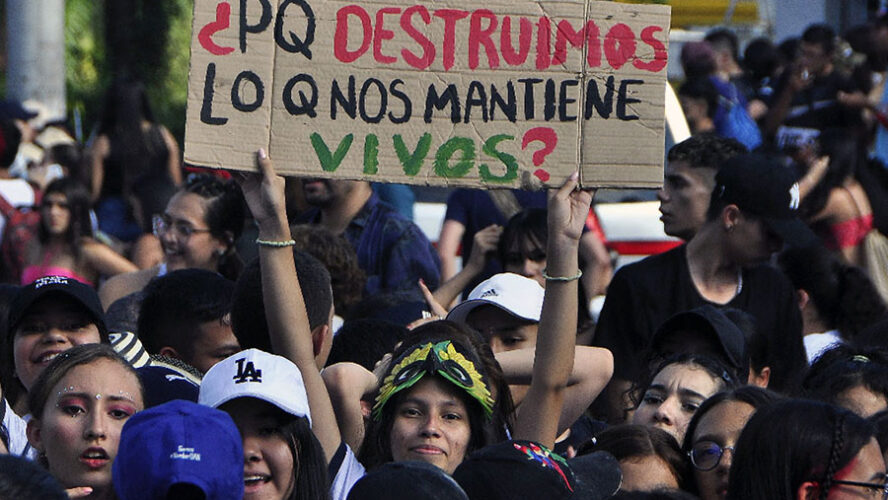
503,93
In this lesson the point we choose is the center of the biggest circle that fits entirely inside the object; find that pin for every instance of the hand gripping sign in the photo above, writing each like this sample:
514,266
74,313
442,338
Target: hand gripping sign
501,93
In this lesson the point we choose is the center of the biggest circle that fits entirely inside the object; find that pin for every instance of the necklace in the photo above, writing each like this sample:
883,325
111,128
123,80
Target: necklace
739,282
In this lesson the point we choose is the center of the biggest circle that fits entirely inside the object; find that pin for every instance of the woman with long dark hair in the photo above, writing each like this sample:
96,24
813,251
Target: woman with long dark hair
713,432
65,245
283,459
838,300
131,153
804,450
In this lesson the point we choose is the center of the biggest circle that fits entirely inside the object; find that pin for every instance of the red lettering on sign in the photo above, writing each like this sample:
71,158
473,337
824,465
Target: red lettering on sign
450,17
380,34
481,36
660,55
428,48
340,38
205,36
619,45
525,33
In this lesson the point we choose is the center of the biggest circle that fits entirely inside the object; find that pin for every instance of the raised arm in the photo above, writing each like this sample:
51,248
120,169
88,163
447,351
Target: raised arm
97,154
592,369
288,324
348,384
105,260
173,160
485,244
448,245
537,419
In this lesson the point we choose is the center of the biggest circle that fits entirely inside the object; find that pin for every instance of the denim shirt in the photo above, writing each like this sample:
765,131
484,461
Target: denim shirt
391,249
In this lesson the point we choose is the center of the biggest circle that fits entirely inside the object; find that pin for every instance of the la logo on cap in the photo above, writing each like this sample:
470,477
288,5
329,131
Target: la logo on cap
794,197
247,372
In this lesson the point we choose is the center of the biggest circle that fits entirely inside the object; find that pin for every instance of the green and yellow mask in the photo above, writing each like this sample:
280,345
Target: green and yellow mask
442,359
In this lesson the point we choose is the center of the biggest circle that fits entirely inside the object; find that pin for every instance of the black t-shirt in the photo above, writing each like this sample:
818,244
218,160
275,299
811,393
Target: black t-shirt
643,295
816,107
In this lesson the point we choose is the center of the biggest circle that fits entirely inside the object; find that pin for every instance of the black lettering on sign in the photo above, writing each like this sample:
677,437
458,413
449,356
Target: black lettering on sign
236,97
306,105
206,109
259,27
295,44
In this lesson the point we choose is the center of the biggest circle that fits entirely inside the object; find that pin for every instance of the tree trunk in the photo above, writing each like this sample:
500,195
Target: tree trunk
36,53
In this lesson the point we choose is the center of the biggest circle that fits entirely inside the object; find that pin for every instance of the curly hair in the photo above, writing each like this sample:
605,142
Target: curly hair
340,259
706,150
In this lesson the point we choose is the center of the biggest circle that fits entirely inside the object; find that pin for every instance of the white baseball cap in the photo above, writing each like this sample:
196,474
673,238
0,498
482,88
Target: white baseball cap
519,296
256,374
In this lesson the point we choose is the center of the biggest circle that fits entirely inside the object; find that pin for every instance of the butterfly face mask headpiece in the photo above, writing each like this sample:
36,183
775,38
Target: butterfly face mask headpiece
442,359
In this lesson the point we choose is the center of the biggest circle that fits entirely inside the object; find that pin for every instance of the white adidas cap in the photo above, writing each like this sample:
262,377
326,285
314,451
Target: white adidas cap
519,296
256,374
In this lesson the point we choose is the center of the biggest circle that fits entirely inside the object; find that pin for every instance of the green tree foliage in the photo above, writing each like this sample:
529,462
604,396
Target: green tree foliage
147,39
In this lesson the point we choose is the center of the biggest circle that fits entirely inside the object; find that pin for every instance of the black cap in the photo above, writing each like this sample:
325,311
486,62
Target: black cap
524,469
13,110
83,294
164,383
406,481
710,323
761,186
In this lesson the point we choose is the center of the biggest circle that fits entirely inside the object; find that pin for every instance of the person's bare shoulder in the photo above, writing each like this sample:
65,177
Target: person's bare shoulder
125,284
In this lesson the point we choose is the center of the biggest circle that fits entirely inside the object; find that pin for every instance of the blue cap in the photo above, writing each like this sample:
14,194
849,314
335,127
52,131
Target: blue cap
175,443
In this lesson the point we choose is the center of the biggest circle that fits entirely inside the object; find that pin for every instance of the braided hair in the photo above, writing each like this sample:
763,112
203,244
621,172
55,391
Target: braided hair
792,442
226,210
835,452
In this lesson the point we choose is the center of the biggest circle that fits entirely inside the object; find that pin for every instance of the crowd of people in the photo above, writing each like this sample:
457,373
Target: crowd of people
170,333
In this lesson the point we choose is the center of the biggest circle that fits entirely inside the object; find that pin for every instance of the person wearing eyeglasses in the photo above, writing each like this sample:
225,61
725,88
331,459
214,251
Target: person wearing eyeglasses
197,230
710,441
807,450
65,244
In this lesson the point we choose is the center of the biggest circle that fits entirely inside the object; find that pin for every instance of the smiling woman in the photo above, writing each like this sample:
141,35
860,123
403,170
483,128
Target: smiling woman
80,403
282,458
197,229
433,403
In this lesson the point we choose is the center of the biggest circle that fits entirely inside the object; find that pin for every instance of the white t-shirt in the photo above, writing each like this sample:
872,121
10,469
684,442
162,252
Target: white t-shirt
17,427
345,470
18,193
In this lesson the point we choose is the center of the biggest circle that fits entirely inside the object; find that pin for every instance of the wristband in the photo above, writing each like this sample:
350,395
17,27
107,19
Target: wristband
275,244
563,278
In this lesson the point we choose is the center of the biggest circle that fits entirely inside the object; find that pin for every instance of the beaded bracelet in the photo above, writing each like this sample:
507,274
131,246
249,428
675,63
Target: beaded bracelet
563,278
275,244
